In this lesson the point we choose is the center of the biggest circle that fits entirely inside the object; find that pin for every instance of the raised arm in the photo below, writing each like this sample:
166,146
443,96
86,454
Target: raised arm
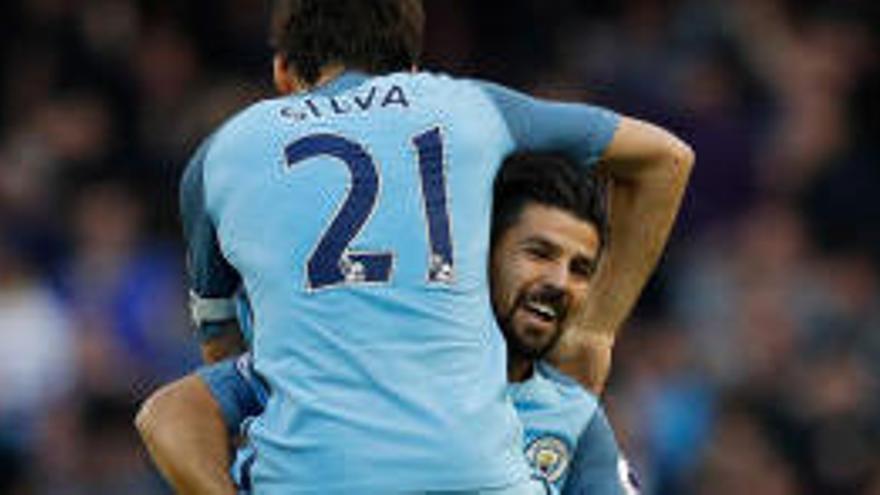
648,169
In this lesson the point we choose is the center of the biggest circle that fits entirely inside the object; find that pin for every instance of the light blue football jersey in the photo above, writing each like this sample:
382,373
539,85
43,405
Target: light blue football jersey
356,218
568,441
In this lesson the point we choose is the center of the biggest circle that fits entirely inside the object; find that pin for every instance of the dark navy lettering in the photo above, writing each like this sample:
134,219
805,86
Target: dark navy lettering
395,96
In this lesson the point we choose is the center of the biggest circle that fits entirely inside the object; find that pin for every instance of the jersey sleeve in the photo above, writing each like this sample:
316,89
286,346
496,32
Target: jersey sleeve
236,388
596,466
213,282
578,130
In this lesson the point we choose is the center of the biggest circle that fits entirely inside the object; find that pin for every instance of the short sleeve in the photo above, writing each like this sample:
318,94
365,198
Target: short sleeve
579,130
595,468
212,280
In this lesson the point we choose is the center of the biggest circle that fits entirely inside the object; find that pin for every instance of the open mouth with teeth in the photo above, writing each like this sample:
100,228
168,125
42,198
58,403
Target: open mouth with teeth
544,312
534,323
545,306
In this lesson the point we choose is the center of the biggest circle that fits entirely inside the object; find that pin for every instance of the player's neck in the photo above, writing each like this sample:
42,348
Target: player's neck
328,73
288,82
519,369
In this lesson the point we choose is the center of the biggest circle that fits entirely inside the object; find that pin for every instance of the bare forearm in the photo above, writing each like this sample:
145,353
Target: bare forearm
642,216
183,430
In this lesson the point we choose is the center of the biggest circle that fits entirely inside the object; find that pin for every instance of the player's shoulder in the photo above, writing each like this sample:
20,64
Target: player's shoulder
438,84
424,78
246,124
251,114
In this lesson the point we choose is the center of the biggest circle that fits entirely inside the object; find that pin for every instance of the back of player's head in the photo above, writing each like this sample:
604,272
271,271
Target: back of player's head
376,36
547,180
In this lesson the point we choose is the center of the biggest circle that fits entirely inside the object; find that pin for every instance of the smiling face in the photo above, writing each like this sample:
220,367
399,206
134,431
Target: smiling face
541,268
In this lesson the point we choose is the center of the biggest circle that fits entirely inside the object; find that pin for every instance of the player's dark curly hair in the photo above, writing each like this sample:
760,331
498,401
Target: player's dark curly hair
376,36
549,180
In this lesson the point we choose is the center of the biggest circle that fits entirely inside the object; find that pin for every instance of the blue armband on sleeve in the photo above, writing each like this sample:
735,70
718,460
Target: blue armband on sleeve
578,130
236,388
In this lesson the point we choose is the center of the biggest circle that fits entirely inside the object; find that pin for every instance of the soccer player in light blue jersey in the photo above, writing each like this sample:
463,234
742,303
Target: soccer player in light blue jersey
548,229
353,211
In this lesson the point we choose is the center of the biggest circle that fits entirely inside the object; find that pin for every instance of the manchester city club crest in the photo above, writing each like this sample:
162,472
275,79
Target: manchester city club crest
550,455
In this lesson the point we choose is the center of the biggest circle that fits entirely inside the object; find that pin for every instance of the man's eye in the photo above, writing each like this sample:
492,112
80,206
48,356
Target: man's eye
583,269
538,253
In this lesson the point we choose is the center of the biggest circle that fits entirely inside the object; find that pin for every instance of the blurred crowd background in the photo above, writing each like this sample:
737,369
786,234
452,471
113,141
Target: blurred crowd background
751,365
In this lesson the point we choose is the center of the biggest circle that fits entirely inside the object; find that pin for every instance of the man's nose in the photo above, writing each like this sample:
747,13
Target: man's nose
557,276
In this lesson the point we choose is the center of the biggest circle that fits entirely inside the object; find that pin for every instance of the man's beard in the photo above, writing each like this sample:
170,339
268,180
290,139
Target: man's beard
517,346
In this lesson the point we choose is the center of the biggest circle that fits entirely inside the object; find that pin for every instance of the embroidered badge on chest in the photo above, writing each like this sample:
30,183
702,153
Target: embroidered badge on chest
549,455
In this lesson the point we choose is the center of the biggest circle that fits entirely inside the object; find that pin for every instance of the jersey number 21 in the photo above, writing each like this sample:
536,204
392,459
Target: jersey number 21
331,262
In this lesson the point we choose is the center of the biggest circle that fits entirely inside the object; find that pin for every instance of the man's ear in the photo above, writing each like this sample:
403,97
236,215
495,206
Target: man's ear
285,81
